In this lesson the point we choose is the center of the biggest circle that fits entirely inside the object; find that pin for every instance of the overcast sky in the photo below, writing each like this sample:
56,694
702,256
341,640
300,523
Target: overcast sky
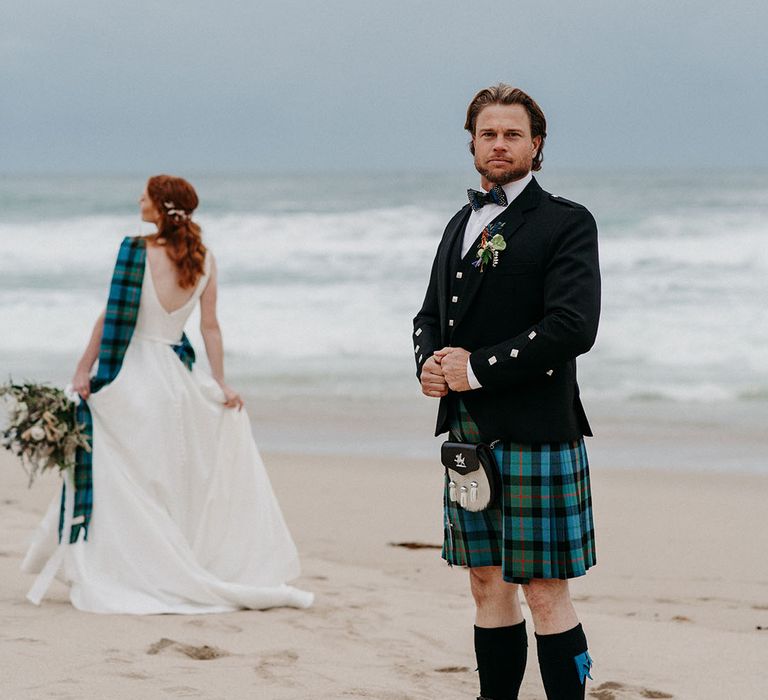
250,86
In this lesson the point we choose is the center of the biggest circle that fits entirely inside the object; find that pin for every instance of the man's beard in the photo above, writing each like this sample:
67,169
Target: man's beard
503,177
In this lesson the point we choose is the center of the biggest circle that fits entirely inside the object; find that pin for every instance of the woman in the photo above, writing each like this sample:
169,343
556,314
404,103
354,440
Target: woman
172,512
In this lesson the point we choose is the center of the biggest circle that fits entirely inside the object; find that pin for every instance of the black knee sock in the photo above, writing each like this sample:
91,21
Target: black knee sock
501,655
564,662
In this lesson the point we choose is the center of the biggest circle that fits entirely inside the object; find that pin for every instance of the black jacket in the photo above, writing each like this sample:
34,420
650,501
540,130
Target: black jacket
524,321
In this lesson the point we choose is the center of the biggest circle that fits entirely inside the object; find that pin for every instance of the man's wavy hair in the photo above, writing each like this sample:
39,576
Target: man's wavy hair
503,94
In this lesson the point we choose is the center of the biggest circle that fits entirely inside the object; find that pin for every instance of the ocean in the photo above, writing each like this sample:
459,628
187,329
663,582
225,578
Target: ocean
321,275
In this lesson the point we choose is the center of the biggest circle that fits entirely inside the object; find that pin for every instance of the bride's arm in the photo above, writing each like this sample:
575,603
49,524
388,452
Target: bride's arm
81,382
211,331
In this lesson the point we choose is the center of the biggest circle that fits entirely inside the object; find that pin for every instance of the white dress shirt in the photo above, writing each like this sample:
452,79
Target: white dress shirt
478,220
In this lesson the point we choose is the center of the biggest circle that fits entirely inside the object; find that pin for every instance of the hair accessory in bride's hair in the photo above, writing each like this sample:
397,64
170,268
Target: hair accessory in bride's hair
177,214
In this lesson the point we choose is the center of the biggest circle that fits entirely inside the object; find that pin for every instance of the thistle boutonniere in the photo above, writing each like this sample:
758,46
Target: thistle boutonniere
491,244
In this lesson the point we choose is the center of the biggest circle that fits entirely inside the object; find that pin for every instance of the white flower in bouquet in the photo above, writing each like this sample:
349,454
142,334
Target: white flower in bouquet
37,432
71,394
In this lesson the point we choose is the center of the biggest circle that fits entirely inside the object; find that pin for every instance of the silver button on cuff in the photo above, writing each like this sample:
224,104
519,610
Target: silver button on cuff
532,335
418,332
450,322
515,352
492,360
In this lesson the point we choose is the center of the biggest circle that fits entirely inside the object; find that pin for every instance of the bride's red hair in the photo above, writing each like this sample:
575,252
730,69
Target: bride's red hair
176,199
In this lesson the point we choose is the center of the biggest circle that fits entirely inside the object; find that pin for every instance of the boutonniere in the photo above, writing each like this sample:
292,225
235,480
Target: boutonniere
491,244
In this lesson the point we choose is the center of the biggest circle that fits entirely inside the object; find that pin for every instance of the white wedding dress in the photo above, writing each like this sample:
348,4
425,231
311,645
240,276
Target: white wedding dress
184,517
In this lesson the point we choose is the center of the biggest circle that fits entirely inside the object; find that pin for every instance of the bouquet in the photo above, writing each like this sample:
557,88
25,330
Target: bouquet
42,430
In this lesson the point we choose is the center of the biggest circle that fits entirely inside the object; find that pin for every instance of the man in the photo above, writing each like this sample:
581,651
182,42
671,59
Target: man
496,342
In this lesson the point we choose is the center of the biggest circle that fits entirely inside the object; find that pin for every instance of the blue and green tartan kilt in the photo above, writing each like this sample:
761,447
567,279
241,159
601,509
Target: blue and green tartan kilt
541,523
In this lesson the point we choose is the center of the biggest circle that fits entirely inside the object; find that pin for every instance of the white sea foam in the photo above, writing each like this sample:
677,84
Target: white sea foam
320,299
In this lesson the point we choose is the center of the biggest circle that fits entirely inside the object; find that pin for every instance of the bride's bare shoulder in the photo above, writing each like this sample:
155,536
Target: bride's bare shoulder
152,241
210,261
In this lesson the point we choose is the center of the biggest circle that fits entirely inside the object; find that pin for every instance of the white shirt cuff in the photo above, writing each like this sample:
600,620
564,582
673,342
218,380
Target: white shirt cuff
471,378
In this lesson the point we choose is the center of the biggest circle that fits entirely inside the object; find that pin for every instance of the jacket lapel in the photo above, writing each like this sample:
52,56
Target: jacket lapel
512,218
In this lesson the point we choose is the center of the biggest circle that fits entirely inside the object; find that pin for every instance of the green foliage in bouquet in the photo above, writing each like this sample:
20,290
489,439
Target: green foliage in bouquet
42,428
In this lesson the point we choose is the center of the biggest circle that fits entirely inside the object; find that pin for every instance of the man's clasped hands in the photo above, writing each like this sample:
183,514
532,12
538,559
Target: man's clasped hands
446,369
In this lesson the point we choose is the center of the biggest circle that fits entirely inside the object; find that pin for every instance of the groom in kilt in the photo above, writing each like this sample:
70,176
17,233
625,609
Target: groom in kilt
513,299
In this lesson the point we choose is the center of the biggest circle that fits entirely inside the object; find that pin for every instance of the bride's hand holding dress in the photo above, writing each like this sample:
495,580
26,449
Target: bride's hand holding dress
211,332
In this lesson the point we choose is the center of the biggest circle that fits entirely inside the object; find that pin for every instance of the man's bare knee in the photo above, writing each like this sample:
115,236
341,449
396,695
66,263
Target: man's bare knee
488,585
543,590
545,597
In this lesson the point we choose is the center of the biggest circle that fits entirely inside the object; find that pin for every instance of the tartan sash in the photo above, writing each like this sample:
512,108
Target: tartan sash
119,322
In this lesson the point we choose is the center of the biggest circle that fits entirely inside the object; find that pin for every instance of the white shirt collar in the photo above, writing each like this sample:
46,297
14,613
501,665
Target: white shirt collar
478,219
513,189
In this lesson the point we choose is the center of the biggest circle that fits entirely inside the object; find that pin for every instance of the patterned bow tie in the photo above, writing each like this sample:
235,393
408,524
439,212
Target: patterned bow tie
479,199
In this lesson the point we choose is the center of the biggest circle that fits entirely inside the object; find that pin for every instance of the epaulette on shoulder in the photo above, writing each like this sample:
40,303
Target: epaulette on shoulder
565,202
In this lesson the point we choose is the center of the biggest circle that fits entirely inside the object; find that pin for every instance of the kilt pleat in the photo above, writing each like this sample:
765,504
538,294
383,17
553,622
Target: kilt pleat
541,525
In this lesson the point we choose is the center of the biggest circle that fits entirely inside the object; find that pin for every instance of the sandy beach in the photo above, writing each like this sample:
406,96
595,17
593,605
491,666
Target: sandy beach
673,609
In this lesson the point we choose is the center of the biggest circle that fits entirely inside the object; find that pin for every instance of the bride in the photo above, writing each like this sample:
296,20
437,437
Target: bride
172,511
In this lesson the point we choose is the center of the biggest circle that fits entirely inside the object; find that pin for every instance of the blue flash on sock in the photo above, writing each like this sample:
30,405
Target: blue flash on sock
583,665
